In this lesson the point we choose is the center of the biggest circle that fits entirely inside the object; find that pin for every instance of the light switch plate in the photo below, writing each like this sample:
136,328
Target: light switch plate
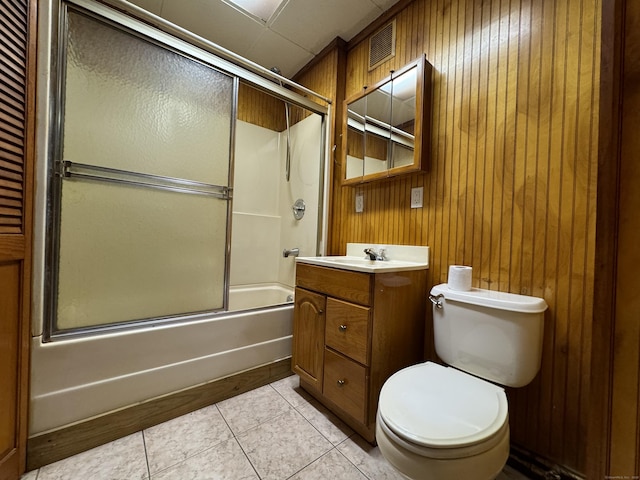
416,197
359,202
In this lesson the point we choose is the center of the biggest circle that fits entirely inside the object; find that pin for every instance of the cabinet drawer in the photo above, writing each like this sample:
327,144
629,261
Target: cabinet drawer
347,329
353,286
345,384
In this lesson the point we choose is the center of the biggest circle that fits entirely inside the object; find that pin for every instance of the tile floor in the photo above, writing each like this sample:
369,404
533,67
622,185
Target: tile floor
274,432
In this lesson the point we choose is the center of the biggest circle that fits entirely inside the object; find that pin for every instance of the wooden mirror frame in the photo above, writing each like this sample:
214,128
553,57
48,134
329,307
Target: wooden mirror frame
422,132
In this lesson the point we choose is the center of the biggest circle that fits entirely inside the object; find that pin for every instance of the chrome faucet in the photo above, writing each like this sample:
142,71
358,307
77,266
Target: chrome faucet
373,255
294,252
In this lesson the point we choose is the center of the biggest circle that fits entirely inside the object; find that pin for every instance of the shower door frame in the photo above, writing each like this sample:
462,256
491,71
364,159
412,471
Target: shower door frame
135,21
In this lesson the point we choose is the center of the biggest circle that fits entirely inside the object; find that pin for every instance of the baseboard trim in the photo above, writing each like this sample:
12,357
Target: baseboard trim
53,446
538,468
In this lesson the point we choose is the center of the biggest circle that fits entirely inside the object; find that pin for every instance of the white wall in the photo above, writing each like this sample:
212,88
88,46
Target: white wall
263,222
255,233
304,183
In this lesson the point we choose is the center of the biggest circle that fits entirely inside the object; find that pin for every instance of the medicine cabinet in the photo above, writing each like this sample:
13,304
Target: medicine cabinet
388,126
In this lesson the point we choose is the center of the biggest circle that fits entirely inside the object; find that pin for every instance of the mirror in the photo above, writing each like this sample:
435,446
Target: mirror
387,126
355,139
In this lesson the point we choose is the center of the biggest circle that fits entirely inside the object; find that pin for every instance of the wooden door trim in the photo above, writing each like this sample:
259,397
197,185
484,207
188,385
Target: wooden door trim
607,215
12,247
29,193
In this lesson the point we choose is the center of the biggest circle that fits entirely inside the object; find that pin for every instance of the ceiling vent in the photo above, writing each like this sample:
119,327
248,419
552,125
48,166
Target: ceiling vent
382,45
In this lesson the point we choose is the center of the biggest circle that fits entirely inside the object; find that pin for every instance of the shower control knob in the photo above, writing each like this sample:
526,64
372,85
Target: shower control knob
298,209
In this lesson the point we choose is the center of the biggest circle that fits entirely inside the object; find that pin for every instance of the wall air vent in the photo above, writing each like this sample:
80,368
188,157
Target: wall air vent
382,45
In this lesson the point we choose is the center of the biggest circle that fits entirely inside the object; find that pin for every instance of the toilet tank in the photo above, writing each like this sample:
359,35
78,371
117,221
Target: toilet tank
493,335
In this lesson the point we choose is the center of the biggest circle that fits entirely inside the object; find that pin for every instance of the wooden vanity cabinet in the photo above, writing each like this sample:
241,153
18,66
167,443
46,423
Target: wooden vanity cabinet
351,331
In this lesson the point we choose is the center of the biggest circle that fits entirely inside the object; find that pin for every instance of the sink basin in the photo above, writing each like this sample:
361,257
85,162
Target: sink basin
360,264
353,261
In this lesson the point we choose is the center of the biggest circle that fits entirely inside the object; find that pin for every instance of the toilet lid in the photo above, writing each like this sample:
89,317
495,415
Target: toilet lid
441,407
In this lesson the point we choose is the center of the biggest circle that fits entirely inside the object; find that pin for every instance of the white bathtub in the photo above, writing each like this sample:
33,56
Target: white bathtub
247,297
73,380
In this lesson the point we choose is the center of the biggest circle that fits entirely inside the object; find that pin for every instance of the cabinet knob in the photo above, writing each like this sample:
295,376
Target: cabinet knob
320,312
341,383
342,328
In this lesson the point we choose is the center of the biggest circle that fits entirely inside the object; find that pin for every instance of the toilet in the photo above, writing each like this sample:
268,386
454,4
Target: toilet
451,422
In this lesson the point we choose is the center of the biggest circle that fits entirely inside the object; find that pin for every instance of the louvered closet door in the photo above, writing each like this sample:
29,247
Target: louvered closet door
17,18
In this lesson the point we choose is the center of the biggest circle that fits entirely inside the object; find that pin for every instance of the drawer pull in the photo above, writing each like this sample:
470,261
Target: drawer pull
341,383
342,328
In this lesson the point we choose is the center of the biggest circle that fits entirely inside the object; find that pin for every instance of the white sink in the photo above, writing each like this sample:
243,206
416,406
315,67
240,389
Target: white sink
359,264
401,258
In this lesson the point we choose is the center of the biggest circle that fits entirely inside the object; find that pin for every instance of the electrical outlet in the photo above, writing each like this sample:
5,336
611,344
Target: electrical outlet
359,202
416,197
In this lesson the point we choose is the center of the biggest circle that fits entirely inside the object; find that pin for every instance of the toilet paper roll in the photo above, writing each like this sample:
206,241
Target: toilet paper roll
459,277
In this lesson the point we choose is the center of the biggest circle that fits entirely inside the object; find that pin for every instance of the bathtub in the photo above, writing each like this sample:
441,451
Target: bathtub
248,297
73,380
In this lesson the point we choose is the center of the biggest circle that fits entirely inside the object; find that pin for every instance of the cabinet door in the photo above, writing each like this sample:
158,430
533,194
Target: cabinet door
308,337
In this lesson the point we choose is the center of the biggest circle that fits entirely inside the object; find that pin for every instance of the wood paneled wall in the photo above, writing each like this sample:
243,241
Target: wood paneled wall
260,108
512,185
264,110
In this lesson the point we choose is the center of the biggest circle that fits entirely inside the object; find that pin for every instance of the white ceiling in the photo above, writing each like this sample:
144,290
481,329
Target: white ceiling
289,39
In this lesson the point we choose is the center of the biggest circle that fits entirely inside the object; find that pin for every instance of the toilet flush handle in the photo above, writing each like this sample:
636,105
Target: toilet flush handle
436,300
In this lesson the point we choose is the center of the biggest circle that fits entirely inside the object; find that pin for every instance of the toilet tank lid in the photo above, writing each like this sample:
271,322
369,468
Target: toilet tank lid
490,298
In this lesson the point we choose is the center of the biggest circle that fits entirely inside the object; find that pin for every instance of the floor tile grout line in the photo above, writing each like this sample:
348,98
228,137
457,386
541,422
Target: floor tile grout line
295,407
317,430
259,424
235,437
146,454
283,397
248,458
349,460
210,447
311,463
333,446
225,420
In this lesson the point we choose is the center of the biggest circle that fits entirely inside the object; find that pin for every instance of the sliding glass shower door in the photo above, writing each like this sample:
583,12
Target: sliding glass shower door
141,186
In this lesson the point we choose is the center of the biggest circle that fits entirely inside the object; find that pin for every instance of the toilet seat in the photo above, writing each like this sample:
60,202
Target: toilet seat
440,412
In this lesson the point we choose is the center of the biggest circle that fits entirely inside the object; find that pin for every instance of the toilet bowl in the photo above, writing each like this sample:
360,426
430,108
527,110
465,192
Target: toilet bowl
438,422
435,422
